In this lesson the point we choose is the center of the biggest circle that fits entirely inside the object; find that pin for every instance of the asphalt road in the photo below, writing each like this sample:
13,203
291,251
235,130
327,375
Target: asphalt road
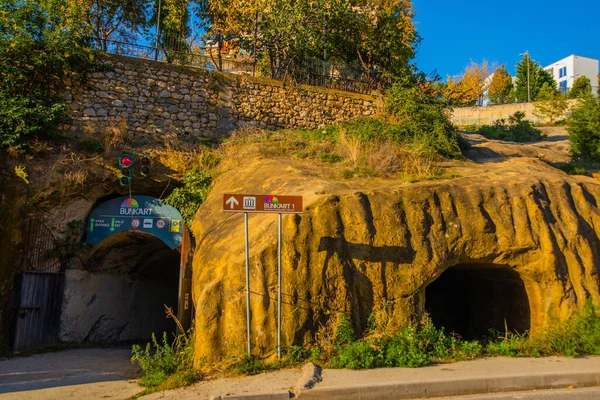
592,393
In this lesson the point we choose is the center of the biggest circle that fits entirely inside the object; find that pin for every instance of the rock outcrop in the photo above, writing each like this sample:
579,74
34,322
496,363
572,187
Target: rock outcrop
362,245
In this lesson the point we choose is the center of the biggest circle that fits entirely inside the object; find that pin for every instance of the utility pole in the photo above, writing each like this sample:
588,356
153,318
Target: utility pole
157,32
528,83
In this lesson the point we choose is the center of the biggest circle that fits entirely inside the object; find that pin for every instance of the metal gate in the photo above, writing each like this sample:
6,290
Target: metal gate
40,290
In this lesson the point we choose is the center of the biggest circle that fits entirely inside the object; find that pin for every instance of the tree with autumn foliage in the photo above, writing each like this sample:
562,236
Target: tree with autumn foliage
470,87
501,86
376,35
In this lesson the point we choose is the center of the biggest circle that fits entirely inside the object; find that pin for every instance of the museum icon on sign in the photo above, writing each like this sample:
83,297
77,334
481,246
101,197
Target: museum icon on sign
249,203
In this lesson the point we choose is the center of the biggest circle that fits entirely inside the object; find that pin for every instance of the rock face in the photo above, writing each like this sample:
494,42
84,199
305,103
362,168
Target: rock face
370,246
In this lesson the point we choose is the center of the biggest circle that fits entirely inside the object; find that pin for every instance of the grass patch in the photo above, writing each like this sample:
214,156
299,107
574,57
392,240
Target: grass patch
368,147
577,336
516,129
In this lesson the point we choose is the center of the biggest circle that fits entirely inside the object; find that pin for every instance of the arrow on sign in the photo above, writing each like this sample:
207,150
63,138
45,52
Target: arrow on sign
112,225
92,224
232,202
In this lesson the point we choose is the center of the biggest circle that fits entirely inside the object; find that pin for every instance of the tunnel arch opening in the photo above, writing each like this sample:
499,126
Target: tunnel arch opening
120,296
474,300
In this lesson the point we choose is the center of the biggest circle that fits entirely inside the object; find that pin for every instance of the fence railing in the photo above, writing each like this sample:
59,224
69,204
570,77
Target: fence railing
308,73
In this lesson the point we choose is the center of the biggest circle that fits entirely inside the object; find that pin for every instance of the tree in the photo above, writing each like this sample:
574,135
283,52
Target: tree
469,89
378,36
546,92
584,131
41,44
545,83
174,29
582,87
120,18
527,79
552,108
501,86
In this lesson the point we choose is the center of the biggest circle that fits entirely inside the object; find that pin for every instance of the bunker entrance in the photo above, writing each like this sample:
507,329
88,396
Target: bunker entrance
129,279
472,299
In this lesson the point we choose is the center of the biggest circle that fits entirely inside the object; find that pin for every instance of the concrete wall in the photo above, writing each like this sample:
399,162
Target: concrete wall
146,99
463,116
112,308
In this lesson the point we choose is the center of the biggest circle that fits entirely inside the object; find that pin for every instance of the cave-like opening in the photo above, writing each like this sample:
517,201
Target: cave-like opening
121,296
473,299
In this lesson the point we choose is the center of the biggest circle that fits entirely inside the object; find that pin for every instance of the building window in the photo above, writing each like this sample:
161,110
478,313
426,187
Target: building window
563,86
562,72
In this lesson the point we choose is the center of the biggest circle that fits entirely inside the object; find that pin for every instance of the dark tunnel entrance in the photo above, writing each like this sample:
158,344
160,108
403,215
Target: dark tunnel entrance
472,299
121,295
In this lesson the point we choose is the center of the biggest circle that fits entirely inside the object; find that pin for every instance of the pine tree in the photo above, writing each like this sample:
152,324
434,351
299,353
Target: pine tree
522,84
501,86
545,84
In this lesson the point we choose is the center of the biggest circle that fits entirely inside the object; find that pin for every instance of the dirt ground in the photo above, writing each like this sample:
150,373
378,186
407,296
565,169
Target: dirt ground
553,149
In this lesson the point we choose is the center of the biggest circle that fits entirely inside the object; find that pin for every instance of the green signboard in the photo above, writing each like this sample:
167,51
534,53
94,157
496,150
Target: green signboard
137,213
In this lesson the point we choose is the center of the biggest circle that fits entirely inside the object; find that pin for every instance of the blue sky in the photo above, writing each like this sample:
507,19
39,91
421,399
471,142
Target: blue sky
455,32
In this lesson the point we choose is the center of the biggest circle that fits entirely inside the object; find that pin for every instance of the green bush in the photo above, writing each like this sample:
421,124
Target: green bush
90,145
187,199
250,366
41,44
158,361
423,118
516,129
584,131
416,345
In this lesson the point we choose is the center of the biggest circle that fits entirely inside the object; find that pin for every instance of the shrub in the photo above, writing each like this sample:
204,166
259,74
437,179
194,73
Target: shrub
414,346
249,366
167,365
187,199
423,118
552,109
584,131
158,361
297,354
90,145
516,129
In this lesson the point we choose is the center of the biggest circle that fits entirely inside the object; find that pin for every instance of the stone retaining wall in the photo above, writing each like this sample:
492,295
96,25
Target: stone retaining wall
146,98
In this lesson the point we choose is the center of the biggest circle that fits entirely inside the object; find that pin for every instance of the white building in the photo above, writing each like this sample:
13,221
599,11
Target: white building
570,68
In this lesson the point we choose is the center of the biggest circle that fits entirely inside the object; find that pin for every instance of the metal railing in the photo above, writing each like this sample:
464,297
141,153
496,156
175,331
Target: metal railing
189,57
312,72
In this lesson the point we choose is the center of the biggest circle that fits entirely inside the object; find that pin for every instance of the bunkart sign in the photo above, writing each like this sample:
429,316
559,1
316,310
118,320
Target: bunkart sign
136,213
267,204
251,203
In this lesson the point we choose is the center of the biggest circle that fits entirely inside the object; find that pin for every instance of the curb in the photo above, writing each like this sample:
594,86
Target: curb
275,395
440,388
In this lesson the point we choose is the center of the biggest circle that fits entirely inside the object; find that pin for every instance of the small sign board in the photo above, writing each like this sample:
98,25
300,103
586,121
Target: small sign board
137,213
272,204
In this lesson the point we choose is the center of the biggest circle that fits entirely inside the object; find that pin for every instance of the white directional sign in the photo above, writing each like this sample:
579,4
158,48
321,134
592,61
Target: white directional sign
231,202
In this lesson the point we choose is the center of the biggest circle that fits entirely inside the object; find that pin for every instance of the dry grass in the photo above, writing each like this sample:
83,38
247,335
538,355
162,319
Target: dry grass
352,157
114,134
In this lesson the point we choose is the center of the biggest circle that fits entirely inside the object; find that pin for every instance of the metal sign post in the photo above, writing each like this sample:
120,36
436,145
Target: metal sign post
248,316
279,290
267,204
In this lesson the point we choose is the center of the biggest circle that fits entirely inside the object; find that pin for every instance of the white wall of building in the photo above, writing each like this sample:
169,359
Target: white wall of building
570,68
